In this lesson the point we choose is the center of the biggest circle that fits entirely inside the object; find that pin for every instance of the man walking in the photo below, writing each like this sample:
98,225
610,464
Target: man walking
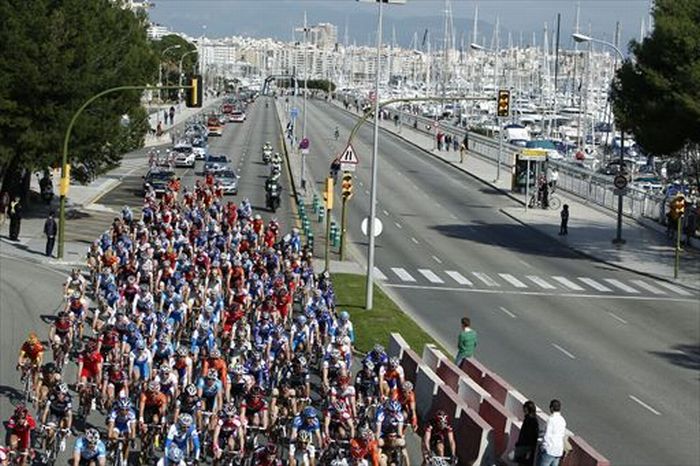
552,447
466,342
172,115
50,230
564,227
15,214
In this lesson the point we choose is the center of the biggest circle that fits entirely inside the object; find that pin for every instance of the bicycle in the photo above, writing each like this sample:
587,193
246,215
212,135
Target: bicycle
27,380
150,442
56,445
553,202
116,452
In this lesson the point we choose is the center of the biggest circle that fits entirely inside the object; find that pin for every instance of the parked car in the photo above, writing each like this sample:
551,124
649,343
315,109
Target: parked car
228,180
237,116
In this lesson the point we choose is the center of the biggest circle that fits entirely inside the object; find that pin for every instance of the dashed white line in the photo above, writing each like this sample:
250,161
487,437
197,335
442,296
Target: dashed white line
617,318
507,312
568,353
414,240
644,405
367,192
437,259
398,225
524,263
385,212
453,216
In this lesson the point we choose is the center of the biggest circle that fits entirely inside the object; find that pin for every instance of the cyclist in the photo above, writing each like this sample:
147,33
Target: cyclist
302,450
49,377
57,413
116,384
307,422
61,334
188,403
74,282
266,456
392,378
140,362
89,366
152,406
121,423
89,450
365,448
254,408
338,421
174,457
20,426
229,430
438,435
31,356
367,383
181,434
407,398
210,391
390,429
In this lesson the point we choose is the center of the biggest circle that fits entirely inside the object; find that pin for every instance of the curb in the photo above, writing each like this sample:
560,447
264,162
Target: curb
598,259
283,141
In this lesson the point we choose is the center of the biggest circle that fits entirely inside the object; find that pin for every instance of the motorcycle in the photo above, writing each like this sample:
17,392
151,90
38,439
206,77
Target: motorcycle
273,198
267,155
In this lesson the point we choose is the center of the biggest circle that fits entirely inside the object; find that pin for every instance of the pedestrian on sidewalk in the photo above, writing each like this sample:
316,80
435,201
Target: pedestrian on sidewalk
448,142
466,342
165,117
455,143
50,230
526,445
564,227
172,115
15,213
462,153
4,204
552,447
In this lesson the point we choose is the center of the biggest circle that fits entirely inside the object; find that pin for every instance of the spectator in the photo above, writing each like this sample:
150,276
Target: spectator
172,115
4,204
15,214
448,142
466,342
564,227
552,447
455,143
462,152
552,177
165,117
524,453
50,230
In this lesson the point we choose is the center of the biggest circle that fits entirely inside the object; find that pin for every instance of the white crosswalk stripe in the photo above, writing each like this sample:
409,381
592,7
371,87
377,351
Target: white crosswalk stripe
403,274
512,280
459,278
648,287
541,282
595,285
618,284
430,275
488,281
674,288
378,274
568,283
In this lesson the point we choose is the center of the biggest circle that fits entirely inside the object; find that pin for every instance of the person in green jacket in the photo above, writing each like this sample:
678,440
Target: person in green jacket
466,342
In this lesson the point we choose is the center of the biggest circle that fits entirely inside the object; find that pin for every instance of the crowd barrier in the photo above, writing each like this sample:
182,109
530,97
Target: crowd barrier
486,409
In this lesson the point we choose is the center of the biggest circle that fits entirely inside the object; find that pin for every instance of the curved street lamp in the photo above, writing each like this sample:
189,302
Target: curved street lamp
160,67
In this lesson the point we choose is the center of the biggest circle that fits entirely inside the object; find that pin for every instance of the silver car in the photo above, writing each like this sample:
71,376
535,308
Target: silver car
228,180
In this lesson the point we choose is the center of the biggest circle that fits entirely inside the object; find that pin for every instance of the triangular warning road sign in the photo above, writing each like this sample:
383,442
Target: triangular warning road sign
349,156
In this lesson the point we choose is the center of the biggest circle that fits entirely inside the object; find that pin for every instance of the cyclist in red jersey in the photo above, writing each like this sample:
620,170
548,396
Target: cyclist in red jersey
20,427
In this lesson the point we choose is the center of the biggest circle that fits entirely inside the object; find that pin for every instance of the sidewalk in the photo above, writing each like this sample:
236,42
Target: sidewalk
647,250
182,113
80,198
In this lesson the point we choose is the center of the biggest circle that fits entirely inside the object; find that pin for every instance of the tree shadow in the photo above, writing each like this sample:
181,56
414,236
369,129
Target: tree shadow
686,356
12,394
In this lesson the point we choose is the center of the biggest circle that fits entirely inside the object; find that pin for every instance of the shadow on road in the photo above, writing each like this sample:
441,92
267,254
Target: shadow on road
686,356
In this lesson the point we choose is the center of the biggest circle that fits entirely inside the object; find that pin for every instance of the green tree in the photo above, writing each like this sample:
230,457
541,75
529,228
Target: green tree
56,55
656,95
170,56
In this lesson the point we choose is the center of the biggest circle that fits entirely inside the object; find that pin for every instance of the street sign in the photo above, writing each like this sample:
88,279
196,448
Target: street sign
620,192
294,113
304,144
305,152
348,167
378,227
620,182
533,154
349,156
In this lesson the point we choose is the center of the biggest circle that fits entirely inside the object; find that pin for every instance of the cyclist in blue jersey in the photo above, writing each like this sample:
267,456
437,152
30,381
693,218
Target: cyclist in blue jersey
89,450
182,434
307,421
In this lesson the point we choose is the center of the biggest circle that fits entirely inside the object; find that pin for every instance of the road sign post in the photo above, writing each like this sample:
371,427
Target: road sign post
347,194
328,206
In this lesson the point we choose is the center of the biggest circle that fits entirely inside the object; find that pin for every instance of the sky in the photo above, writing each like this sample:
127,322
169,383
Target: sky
277,18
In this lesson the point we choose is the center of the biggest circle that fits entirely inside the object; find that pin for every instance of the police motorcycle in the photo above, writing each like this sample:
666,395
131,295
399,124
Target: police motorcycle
267,153
273,191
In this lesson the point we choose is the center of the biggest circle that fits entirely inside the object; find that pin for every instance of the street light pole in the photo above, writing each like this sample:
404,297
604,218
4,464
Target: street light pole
620,199
182,58
499,121
160,69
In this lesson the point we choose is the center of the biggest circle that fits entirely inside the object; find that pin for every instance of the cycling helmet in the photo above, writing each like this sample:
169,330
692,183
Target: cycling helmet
407,386
256,392
154,386
204,326
185,421
124,404
344,316
366,433
212,374
62,388
271,449
21,410
393,406
304,436
394,363
442,419
238,369
302,361
378,349
191,390
215,353
182,351
301,319
230,409
369,365
309,412
140,345
174,454
92,436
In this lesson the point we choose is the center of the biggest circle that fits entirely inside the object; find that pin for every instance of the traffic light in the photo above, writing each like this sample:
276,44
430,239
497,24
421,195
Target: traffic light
328,194
677,206
503,108
347,185
194,92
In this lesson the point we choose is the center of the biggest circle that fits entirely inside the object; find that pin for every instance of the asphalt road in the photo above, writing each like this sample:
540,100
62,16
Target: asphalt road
620,350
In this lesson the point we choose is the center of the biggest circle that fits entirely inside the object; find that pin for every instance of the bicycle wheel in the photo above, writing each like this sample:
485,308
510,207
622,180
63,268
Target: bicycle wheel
554,203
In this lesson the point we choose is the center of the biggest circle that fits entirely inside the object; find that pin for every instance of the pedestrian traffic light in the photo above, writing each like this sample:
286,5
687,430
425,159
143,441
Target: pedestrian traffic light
194,92
677,206
503,108
347,185
328,194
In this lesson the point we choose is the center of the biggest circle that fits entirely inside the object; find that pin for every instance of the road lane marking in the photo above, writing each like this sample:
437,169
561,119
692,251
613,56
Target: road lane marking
378,273
414,240
398,225
385,213
568,353
508,312
545,293
648,287
617,318
674,288
403,274
453,216
526,264
568,283
620,285
437,259
366,192
430,275
595,285
459,278
512,280
540,282
644,405
488,281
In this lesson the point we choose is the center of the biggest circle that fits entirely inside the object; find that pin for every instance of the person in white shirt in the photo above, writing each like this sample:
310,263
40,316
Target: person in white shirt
552,447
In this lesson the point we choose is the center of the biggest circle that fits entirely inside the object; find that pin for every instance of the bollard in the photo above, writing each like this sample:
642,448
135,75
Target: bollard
321,215
310,241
